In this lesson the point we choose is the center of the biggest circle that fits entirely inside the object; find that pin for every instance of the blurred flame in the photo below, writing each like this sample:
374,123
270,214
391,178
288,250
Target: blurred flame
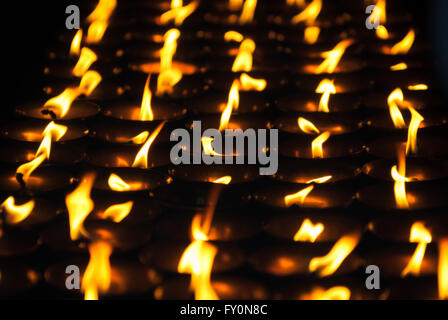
16,213
141,159
308,232
382,32
299,3
316,145
320,180
334,293
140,138
223,180
103,10
116,183
233,36
333,57
96,31
422,236
75,47
247,15
443,269
178,12
79,205
411,145
89,81
86,59
235,4
61,104
418,87
307,126
399,66
400,188
327,265
244,59
299,197
404,45
379,13
146,110
97,277
248,83
232,103
326,87
311,34
118,212
28,168
309,14
169,76
395,98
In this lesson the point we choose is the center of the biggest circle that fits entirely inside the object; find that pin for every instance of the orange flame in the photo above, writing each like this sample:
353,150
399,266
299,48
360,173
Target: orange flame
307,126
299,197
326,87
89,81
103,10
140,138
329,264
233,36
395,99
422,236
403,46
299,3
333,57
320,180
311,34
232,103
96,31
98,274
116,183
235,4
418,87
400,188
308,232
75,47
178,13
169,76
399,66
79,205
146,110
382,33
443,269
316,145
223,180
141,159
17,213
411,146
309,14
247,15
244,60
248,83
86,59
334,293
61,104
118,212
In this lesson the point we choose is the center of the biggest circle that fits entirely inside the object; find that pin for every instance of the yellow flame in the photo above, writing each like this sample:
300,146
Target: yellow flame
244,59
233,36
299,197
299,3
223,180
333,57
379,13
248,83
178,13
316,145
422,236
320,180
404,45
329,264
146,110
399,66
418,87
96,31
98,274
17,213
79,205
86,59
311,34
309,14
118,212
89,81
326,87
75,47
307,126
103,10
334,293
28,168
400,188
141,159
411,145
247,15
169,76
140,138
232,103
235,4
382,32
394,99
61,104
308,232
443,269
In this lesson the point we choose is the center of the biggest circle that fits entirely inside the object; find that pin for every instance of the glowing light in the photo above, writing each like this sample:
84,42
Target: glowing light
309,14
75,47
308,232
15,214
399,66
141,159
333,57
232,103
86,59
400,188
395,98
98,274
326,88
422,236
248,83
146,110
118,212
411,145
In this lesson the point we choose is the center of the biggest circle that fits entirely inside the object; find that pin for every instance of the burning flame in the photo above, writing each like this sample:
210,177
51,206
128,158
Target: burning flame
60,105
418,87
422,236
244,60
232,103
98,274
326,87
308,232
16,213
52,132
103,10
86,59
299,197
96,31
299,3
309,14
379,13
233,36
320,180
89,81
169,76
235,4
311,34
399,66
248,83
333,57
316,146
327,265
141,159
79,205
382,33
178,12
118,212
140,138
223,180
404,45
394,99
411,146
443,269
146,110
400,188
75,47
247,15
334,293
307,126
